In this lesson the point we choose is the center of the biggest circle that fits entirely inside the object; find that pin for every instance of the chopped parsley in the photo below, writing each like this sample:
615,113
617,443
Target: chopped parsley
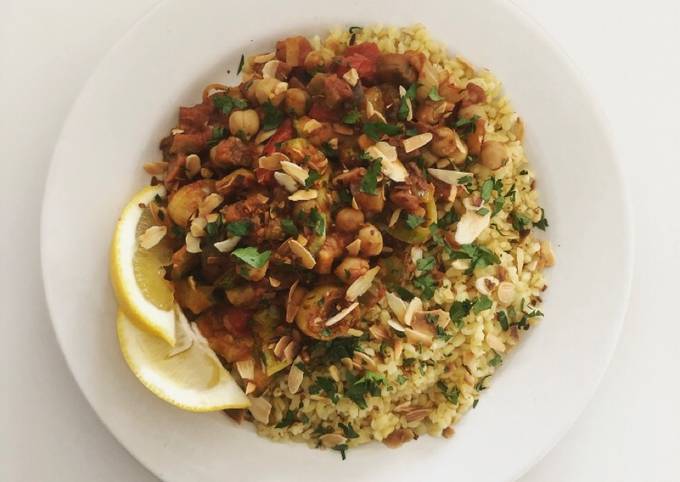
482,211
369,183
401,379
482,303
426,284
348,430
252,257
352,117
359,388
465,126
520,222
240,64
312,178
497,205
272,117
497,360
433,94
214,229
342,448
442,335
487,188
425,264
239,228
451,395
287,420
503,320
335,350
328,386
413,221
227,103
479,256
459,310
403,293
448,219
317,222
479,386
216,136
375,130
410,95
289,227
543,222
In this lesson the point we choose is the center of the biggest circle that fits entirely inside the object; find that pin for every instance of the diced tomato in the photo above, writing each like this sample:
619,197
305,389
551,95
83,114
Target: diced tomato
265,177
323,113
236,321
283,133
362,57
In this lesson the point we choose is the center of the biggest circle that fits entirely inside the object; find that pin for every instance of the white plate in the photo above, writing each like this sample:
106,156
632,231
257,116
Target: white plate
131,102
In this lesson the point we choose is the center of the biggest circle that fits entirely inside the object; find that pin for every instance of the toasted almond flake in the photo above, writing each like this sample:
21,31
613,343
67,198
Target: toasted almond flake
354,247
176,131
486,284
334,373
227,245
422,325
193,243
409,106
417,414
299,173
351,76
354,332
273,282
368,361
378,332
330,440
347,363
394,217
414,305
198,227
506,293
302,240
286,181
303,254
495,343
418,338
354,203
448,176
395,325
470,226
250,388
520,260
152,236
304,195
311,125
263,136
262,58
269,69
280,346
547,253
416,254
272,162
192,282
416,142
292,302
341,314
403,408
441,317
156,168
209,203
193,165
390,165
461,264
290,351
246,368
398,348
260,409
453,192
397,305
295,377
361,284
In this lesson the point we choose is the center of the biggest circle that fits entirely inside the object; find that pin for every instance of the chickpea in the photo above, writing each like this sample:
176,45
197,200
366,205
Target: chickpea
246,121
254,274
447,143
317,60
297,101
430,112
351,268
494,155
349,220
370,203
371,240
449,92
264,90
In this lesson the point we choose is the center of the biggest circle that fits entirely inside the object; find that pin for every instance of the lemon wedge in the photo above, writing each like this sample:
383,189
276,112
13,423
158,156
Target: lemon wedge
136,273
188,375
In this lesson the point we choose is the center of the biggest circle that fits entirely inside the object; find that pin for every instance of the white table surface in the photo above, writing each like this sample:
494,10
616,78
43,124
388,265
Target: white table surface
628,52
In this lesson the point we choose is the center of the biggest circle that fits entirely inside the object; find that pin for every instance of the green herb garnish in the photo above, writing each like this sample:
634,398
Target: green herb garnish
496,360
425,264
503,320
433,94
226,103
410,95
272,117
239,228
289,227
348,430
482,303
543,222
375,130
328,386
413,221
240,64
352,117
426,284
369,183
287,420
312,178
252,257
451,395
359,388
459,310
487,188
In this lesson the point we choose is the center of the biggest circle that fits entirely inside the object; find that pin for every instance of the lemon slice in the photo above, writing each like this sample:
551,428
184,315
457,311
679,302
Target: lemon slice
189,375
142,292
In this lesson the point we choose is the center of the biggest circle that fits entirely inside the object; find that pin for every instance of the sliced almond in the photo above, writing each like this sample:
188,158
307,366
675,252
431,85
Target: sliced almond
367,360
461,264
304,195
246,368
398,348
448,176
273,282
395,325
362,284
434,317
416,142
250,388
280,346
209,204
409,105
394,217
260,409
470,226
354,332
290,351
330,440
495,343
506,293
520,260
305,257
193,165
263,136
272,162
198,227
397,305
351,76
486,284
176,131
378,332
334,373
414,305
263,58
390,165
269,69
227,245
418,338
417,414
416,254
547,253
156,168
333,143
311,125
152,236
295,377
292,302
299,173
286,181
371,112
354,247
343,129
193,243
341,314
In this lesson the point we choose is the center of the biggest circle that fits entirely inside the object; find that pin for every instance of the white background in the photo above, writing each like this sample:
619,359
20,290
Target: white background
628,52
